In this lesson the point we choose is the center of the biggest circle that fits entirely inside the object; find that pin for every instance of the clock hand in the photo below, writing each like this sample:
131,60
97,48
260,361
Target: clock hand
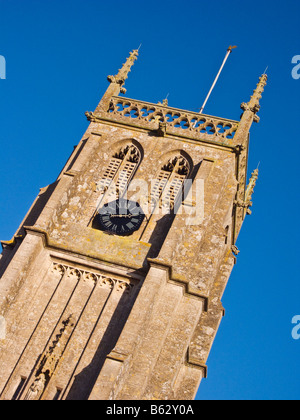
128,216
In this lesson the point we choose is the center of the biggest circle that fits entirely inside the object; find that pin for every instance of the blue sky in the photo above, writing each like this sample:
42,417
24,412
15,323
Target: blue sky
58,54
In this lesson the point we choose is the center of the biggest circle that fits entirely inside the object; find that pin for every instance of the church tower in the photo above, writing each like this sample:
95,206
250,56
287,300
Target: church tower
111,287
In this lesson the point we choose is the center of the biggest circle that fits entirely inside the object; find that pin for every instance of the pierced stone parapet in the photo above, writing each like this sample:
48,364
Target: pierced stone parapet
190,124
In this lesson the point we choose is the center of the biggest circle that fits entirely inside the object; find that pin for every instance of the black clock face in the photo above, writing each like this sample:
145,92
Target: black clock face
121,217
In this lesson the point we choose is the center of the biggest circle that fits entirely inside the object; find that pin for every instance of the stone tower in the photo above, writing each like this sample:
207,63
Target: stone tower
111,287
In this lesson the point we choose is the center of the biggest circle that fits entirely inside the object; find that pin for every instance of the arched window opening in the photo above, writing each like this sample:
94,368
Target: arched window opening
169,183
120,172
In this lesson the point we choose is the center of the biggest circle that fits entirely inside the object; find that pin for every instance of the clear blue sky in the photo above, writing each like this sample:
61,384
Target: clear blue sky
58,55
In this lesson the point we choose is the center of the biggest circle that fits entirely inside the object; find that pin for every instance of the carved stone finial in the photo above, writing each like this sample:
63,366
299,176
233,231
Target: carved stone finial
250,188
254,105
126,68
235,250
165,102
117,82
90,116
247,203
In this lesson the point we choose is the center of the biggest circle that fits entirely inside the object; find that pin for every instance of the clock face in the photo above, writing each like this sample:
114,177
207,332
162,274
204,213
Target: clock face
121,217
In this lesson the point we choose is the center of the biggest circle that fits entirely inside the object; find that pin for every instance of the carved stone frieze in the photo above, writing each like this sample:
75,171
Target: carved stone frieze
85,275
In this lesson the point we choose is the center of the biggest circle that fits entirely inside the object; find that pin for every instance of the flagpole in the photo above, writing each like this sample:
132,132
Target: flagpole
229,51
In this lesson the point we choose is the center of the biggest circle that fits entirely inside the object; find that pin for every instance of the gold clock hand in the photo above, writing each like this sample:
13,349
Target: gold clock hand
125,216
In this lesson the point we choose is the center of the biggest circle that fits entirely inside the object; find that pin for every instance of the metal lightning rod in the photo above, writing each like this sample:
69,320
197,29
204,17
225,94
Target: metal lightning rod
229,51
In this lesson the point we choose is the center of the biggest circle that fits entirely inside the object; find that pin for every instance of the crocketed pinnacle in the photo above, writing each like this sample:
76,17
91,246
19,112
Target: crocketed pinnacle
116,83
251,185
126,68
254,105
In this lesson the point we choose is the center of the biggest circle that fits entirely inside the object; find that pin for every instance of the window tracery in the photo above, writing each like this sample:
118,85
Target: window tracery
169,183
120,171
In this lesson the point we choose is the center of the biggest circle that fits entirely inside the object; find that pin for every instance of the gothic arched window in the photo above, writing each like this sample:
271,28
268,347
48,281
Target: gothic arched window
169,183
120,171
